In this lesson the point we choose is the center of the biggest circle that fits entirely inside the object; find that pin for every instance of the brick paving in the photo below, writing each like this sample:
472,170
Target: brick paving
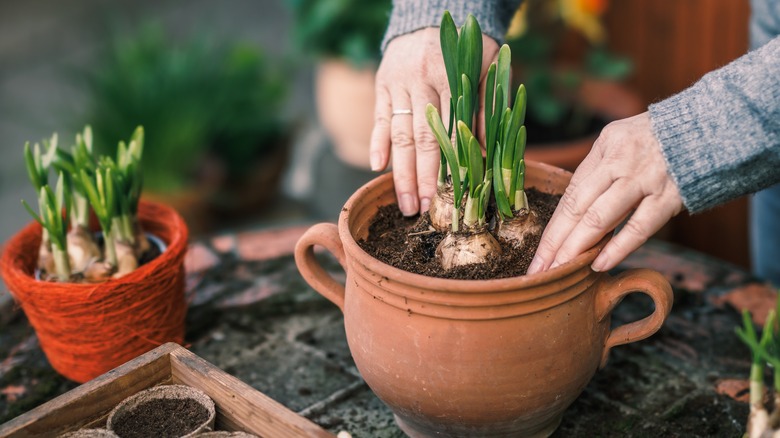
251,314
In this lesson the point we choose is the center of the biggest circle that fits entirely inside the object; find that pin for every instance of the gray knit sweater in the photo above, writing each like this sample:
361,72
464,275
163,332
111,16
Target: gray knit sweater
720,137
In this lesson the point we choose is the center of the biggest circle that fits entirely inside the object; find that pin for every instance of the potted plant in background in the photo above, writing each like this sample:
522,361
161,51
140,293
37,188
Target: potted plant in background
343,37
574,82
459,352
217,138
99,274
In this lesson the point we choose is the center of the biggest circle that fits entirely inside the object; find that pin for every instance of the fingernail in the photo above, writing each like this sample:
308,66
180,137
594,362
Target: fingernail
376,161
536,265
407,205
425,204
599,264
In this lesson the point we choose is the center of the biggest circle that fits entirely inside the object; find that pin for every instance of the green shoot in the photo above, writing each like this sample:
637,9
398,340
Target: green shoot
51,206
100,191
437,126
71,163
758,349
510,148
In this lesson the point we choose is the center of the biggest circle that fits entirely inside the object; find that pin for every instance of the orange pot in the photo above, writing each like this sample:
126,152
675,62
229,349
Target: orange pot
88,329
458,358
345,107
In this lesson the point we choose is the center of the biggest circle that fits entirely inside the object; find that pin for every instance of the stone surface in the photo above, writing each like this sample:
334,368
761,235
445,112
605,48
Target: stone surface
257,319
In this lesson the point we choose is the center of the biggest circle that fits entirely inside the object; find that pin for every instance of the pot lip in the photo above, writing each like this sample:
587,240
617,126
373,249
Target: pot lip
9,262
351,247
164,391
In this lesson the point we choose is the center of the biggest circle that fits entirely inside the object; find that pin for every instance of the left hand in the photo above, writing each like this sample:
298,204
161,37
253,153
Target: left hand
410,76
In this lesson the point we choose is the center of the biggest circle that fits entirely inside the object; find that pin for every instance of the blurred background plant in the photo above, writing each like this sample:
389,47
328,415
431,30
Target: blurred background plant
342,40
348,29
556,46
213,111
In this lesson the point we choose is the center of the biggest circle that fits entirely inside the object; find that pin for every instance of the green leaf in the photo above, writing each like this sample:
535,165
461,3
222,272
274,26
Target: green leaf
87,139
506,148
490,143
437,126
110,182
137,144
92,195
32,168
470,51
467,115
32,212
515,122
503,71
748,335
502,200
476,167
484,195
520,104
448,35
62,193
518,177
520,143
460,145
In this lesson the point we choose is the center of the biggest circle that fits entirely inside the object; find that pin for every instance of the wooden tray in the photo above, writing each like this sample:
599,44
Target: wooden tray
239,406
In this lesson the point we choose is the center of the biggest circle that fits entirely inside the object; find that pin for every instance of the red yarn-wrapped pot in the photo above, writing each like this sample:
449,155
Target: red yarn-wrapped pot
88,329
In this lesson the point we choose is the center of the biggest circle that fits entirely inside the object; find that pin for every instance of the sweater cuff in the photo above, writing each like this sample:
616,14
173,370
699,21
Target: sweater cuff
675,125
412,15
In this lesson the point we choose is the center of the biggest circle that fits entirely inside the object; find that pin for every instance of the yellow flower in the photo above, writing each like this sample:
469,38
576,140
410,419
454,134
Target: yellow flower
585,15
519,22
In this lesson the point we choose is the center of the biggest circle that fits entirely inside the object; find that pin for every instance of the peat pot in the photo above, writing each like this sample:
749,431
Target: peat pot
480,358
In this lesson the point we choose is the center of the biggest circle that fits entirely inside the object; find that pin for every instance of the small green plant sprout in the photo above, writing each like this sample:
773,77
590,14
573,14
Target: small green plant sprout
764,350
87,184
462,56
129,180
37,164
517,221
472,242
82,247
51,206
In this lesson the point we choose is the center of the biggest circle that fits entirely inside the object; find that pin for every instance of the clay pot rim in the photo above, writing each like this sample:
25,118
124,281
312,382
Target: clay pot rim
455,285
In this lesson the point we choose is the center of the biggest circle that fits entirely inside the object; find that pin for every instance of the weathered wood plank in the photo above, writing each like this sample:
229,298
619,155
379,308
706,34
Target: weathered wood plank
89,404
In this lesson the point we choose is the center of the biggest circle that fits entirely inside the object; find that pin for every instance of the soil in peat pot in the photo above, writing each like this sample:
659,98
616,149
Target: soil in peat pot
409,243
162,418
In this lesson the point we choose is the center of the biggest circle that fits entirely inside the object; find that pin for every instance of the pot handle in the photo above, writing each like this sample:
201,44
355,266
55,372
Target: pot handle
611,294
327,236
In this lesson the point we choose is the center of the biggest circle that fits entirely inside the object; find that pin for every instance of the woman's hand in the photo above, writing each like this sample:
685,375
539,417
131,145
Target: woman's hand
410,76
624,173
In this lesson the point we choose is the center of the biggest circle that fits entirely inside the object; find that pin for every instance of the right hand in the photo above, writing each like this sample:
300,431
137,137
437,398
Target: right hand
624,175
410,76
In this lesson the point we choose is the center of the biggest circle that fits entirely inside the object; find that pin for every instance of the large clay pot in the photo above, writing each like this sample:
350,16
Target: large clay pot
483,358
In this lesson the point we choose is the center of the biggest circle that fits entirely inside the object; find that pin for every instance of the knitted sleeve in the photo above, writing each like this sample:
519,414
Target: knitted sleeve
721,137
411,15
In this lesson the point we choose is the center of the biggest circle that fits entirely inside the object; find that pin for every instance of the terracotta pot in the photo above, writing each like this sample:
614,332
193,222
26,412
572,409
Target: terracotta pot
345,106
608,100
88,329
458,358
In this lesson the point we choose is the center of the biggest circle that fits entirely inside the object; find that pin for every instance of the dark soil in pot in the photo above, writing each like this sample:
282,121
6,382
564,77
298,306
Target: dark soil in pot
409,244
162,418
